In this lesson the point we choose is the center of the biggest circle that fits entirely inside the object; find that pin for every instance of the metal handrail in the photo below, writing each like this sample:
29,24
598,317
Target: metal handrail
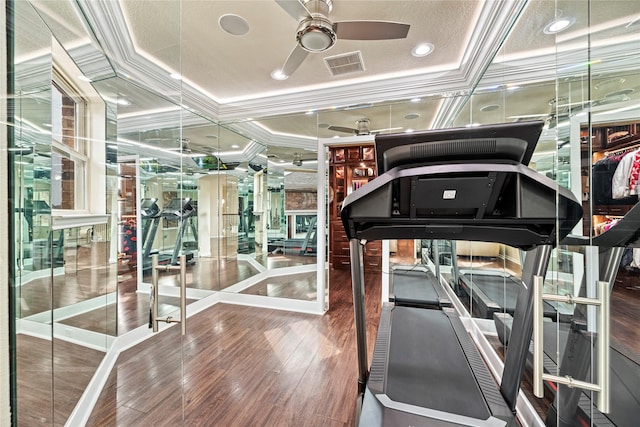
602,386
183,293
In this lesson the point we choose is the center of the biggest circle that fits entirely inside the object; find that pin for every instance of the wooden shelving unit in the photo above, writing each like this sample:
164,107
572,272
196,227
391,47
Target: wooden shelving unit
349,169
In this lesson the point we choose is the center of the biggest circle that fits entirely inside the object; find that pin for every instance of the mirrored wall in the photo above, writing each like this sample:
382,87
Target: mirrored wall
117,166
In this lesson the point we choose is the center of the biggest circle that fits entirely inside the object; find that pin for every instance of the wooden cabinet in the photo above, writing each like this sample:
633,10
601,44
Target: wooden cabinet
610,142
349,169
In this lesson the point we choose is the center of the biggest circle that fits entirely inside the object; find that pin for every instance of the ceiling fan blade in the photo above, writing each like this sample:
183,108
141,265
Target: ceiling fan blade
386,129
294,60
528,116
370,30
343,129
294,8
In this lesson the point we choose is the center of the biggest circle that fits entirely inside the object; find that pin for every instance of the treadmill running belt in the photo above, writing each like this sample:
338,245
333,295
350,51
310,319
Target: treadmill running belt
414,287
503,290
427,366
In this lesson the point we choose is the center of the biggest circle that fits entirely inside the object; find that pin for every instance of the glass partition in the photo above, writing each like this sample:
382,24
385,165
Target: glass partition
253,203
32,220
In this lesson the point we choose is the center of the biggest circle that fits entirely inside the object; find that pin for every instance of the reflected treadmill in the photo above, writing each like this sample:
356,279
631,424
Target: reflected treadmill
455,184
492,292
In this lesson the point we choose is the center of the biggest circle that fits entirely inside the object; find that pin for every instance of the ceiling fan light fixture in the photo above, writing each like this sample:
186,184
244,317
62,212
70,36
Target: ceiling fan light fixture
316,34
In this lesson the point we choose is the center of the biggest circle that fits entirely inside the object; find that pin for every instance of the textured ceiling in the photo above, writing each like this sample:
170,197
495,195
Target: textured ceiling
131,46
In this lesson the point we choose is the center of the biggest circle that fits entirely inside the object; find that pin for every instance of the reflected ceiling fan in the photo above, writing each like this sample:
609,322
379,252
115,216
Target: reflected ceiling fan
561,109
362,128
317,33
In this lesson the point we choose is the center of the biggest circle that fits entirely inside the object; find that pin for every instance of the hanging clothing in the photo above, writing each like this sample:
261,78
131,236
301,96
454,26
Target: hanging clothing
634,174
620,181
602,173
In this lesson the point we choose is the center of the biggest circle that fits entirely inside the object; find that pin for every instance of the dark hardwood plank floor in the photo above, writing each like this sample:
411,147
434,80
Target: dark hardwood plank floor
244,366
51,368
302,286
241,365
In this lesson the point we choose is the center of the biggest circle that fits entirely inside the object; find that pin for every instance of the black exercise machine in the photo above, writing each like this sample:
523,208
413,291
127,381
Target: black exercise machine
456,184
183,211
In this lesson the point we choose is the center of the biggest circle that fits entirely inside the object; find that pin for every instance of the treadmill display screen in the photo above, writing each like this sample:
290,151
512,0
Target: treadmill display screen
513,142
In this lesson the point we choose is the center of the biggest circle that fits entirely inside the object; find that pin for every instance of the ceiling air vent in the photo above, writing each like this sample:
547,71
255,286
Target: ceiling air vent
345,63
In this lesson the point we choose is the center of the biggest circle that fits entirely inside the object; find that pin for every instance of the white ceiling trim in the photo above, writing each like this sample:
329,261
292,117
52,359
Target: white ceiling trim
495,19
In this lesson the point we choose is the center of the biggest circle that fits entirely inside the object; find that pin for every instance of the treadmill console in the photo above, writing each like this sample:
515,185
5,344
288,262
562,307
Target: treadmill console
149,208
461,184
179,208
513,142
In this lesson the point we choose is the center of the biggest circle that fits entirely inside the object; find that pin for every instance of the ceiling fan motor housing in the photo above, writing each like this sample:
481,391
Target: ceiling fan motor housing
315,33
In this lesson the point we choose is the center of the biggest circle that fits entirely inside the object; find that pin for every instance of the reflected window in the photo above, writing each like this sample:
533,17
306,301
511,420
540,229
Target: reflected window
68,157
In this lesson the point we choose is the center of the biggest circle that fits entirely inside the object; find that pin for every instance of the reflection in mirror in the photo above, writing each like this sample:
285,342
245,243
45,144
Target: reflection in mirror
32,219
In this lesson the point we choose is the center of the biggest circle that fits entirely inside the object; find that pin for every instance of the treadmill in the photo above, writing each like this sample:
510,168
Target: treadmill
417,286
182,210
455,184
150,215
492,291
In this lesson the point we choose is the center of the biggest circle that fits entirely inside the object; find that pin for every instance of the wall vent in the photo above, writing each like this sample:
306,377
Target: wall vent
345,63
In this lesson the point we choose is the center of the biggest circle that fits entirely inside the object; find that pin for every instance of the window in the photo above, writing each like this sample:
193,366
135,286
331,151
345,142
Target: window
69,151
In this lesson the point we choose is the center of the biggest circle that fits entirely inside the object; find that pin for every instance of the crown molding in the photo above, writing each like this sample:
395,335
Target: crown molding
107,20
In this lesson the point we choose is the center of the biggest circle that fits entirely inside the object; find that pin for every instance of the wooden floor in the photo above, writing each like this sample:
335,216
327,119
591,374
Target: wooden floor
41,376
244,366
238,366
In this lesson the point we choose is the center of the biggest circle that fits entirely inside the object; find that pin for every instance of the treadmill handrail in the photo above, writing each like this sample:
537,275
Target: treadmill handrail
624,233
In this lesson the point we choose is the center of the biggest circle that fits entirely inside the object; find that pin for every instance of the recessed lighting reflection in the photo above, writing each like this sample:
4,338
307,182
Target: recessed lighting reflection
559,24
176,76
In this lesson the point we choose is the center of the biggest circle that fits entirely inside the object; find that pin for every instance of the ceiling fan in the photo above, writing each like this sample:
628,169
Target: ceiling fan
317,33
362,128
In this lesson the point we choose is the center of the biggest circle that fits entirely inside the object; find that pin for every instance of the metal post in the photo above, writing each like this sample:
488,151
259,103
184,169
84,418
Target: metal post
183,294
535,264
154,291
357,283
603,347
538,384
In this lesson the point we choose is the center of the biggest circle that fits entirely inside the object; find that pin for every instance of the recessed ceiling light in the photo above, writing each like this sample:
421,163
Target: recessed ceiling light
176,76
323,125
416,99
279,75
235,146
412,116
47,125
122,101
423,49
559,24
84,78
212,136
233,24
